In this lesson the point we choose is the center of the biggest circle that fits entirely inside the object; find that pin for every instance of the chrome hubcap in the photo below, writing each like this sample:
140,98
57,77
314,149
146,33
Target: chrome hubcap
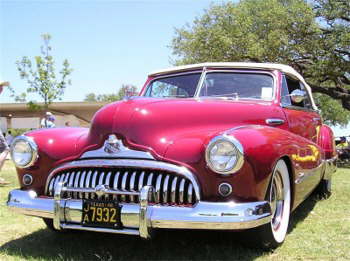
276,200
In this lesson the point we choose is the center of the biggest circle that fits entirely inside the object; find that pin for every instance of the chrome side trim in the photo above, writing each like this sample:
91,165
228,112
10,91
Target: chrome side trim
146,164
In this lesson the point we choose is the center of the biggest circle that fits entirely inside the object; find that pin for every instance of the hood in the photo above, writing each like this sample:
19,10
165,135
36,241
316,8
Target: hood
158,123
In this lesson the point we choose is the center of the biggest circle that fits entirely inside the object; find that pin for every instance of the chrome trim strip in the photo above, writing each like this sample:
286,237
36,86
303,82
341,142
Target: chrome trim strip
131,163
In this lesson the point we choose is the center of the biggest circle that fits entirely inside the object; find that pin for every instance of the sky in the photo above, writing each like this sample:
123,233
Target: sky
107,43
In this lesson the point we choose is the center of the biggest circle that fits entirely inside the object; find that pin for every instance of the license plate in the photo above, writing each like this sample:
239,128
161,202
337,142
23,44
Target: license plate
97,213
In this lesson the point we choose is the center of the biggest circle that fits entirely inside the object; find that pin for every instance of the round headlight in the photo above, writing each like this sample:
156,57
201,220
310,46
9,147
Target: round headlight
24,151
224,155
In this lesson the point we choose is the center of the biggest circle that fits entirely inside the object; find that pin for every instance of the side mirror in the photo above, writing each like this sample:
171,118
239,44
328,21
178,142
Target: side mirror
297,96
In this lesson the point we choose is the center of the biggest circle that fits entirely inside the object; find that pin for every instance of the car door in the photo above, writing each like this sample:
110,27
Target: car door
303,121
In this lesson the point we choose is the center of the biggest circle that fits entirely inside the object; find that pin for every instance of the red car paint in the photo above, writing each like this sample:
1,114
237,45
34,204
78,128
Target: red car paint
178,130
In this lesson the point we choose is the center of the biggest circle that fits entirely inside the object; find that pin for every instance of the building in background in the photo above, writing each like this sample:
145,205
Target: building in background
67,114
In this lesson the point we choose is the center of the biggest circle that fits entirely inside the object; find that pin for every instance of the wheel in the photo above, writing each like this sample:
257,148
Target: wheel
272,234
324,189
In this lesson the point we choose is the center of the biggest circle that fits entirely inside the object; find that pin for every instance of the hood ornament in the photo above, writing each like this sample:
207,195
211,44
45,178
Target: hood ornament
114,148
113,145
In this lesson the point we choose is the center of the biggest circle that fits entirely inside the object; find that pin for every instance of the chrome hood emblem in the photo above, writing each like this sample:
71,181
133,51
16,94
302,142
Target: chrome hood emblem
114,148
113,145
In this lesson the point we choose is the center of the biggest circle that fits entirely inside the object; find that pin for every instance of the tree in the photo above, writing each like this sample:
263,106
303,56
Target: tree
125,91
314,39
42,78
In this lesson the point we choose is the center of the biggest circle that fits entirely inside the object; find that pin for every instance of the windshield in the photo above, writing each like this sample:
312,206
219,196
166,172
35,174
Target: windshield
180,86
237,85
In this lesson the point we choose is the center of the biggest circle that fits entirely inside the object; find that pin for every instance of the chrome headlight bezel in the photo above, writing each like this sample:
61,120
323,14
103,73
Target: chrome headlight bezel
31,145
236,146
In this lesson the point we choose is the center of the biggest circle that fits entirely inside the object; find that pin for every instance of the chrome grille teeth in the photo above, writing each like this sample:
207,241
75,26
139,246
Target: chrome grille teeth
165,189
87,183
149,180
70,184
141,180
182,191
115,183
132,185
123,197
93,184
158,186
189,193
76,185
169,188
81,183
173,191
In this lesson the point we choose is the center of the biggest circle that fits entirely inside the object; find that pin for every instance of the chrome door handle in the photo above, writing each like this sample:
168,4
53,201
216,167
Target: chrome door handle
274,122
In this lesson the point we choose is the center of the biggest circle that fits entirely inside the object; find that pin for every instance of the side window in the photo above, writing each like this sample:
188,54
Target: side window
307,101
285,98
289,84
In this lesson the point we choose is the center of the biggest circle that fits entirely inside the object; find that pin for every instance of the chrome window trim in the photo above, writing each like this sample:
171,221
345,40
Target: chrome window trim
133,163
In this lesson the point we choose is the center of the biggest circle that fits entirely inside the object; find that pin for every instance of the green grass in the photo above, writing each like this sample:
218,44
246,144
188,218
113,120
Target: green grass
320,230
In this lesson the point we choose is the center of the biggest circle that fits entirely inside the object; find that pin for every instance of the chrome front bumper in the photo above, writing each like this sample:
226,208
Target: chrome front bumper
140,219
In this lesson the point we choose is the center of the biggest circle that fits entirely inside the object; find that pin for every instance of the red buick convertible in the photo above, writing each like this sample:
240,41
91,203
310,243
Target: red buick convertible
216,146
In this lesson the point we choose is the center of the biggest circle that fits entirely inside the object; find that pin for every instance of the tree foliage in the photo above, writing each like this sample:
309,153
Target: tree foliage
41,76
125,91
314,38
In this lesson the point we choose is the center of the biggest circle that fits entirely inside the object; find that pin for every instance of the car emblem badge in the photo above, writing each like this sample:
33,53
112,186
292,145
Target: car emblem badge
101,190
113,145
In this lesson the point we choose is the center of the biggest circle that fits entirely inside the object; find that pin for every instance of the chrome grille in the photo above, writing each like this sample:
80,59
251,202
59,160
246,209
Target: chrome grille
170,188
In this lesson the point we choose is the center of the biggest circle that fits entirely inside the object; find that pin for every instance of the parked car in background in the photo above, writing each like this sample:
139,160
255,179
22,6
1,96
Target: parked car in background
217,146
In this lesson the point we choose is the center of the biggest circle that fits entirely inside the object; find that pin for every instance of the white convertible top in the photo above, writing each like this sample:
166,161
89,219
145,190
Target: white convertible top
240,65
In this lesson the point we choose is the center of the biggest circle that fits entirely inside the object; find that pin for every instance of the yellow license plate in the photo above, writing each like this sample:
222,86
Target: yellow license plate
97,213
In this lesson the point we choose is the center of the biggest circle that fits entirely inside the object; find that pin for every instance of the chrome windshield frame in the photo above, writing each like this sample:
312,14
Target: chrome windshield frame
202,77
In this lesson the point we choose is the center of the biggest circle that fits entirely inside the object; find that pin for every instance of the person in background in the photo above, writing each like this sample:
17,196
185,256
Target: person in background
48,121
51,122
4,148
9,138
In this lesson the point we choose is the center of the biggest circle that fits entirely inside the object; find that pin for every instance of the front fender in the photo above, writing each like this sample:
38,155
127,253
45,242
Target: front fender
54,146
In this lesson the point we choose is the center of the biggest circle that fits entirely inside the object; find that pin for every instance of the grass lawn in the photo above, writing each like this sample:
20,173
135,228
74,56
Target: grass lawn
320,230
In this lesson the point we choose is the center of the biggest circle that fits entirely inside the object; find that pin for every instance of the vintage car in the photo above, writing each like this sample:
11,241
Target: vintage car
216,146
